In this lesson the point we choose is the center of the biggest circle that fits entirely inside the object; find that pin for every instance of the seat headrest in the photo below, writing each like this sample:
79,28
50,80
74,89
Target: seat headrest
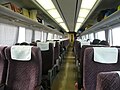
85,43
44,46
106,55
21,53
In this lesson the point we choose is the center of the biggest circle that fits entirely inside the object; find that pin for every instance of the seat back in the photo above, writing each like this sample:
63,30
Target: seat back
92,68
24,74
81,60
77,49
61,47
3,65
108,81
56,51
47,59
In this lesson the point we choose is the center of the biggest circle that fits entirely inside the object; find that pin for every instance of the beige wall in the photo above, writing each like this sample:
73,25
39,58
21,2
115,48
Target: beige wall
71,37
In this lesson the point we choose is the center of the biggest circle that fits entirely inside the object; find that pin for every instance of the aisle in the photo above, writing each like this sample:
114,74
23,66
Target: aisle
65,79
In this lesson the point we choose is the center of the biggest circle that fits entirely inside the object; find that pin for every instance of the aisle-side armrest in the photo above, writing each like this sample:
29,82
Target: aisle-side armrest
2,86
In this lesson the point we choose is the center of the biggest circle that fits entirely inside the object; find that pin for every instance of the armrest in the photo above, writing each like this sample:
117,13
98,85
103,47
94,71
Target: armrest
39,87
2,86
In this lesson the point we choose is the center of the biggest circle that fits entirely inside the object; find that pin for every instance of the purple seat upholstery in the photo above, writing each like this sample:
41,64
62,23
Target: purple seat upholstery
92,68
24,75
48,66
3,65
47,59
61,47
108,81
81,57
56,51
65,43
77,49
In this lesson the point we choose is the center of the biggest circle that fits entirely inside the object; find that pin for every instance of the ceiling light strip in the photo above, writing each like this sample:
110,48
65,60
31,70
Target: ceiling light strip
85,9
50,8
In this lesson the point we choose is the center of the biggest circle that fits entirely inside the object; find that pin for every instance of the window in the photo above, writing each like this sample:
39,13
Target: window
116,36
96,35
8,34
21,36
60,36
43,37
28,35
91,36
83,37
100,35
37,35
55,36
50,36
86,36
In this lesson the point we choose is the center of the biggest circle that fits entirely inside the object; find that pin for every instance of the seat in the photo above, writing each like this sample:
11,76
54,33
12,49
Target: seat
81,60
3,66
108,80
56,55
47,52
64,43
56,51
77,49
25,68
91,68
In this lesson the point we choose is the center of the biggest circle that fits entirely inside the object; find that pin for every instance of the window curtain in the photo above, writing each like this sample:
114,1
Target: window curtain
21,35
8,34
44,36
37,35
28,35
50,36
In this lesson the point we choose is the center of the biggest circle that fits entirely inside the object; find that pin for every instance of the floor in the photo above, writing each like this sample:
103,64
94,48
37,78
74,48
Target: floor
65,79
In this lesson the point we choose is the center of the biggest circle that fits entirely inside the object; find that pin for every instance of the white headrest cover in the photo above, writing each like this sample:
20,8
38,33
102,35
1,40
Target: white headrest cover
44,46
84,43
21,53
105,55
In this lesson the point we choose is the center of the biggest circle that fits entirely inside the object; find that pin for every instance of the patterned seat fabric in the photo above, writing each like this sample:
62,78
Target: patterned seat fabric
77,49
108,81
47,59
81,58
92,68
56,51
3,65
24,75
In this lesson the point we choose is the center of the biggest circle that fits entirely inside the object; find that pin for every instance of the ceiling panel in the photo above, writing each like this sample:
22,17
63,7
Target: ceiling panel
67,9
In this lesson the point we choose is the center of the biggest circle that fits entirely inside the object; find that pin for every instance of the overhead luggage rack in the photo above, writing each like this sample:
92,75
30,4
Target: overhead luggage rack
111,20
9,15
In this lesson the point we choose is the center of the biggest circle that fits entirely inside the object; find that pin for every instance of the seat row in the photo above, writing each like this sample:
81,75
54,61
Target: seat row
29,67
98,71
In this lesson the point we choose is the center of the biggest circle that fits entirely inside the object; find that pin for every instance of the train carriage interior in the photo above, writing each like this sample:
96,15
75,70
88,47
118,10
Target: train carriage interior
59,44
